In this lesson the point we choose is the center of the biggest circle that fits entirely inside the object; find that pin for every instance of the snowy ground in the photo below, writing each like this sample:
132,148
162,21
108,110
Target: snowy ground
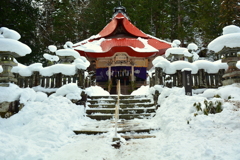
43,130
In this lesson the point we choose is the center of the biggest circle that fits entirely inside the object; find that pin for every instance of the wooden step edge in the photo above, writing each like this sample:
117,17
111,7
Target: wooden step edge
89,132
121,105
95,132
121,109
121,116
128,137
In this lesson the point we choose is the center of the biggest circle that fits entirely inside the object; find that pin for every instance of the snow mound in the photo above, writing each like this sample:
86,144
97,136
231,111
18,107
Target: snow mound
71,91
96,91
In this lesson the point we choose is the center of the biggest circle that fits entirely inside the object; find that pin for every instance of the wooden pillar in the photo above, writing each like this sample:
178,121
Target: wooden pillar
132,78
109,73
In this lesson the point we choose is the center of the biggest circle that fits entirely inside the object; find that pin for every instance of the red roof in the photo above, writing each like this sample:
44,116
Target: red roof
120,35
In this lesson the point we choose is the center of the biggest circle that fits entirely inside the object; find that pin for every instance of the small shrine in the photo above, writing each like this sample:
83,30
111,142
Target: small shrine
121,51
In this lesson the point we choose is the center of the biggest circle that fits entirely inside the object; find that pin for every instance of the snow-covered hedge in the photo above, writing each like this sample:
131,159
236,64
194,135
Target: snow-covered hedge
171,67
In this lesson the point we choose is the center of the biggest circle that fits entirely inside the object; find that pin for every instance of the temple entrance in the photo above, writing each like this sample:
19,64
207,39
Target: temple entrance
130,78
122,73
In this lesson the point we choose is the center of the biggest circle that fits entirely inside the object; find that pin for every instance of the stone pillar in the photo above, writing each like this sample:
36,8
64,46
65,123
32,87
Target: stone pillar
187,81
66,59
6,60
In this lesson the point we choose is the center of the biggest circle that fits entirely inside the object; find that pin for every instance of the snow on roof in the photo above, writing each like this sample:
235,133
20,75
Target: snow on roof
171,68
91,46
9,42
86,40
230,38
147,47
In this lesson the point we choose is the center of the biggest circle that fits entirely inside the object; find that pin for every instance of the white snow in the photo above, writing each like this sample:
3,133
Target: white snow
90,46
1,69
27,70
43,129
68,44
66,69
230,38
9,42
171,68
147,47
177,51
176,42
67,52
52,48
51,58
192,46
231,29
71,91
96,91
9,33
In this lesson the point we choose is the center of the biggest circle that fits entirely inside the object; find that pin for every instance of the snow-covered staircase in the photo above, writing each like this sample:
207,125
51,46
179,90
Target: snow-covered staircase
130,107
135,113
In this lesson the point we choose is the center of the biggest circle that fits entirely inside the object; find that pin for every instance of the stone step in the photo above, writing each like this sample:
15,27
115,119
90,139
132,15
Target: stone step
132,105
121,116
115,97
137,136
122,101
121,111
95,131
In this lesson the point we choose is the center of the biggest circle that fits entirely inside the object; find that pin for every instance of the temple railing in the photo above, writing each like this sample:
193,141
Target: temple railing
201,79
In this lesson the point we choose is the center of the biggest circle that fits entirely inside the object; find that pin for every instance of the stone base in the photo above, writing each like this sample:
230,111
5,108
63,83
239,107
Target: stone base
4,85
7,109
230,81
231,77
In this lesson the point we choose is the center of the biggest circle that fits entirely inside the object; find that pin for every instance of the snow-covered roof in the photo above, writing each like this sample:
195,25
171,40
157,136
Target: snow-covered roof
130,40
230,38
9,42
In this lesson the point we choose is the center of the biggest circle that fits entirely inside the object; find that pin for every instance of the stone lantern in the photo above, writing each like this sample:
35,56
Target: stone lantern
10,48
230,56
67,55
227,47
6,60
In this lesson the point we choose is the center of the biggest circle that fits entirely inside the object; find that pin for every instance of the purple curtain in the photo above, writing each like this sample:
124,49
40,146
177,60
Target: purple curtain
102,73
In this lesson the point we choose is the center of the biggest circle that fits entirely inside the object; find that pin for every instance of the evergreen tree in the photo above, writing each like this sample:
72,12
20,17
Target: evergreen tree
230,13
21,15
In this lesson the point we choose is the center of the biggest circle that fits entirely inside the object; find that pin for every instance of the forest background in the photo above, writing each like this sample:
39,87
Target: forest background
53,22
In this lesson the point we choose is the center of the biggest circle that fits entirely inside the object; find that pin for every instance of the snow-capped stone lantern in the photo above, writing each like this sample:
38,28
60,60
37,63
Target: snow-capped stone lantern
10,48
67,55
228,47
180,53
